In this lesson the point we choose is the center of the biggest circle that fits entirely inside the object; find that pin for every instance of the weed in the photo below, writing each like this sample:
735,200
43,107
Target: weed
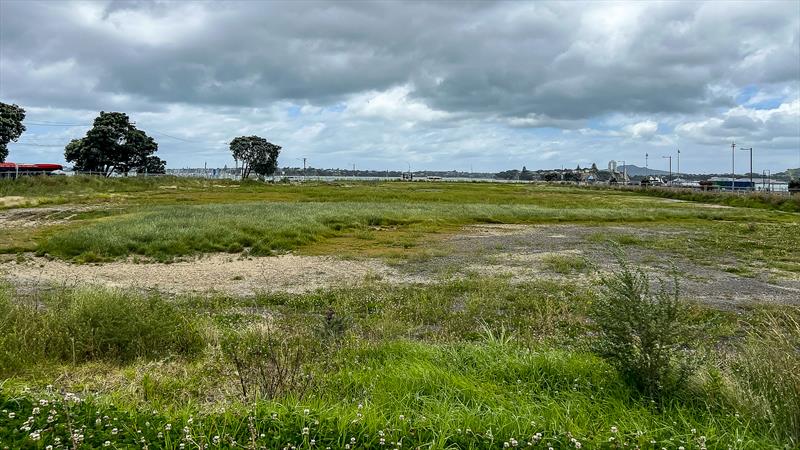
641,333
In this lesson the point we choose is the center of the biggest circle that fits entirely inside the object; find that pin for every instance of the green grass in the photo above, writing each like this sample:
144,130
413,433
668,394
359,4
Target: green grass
162,232
467,363
565,264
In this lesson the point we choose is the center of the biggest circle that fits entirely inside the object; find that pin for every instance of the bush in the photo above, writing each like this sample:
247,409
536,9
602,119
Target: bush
83,325
641,333
268,364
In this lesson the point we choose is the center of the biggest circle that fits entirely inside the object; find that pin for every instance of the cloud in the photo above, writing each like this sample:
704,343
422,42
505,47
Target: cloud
777,128
642,130
495,82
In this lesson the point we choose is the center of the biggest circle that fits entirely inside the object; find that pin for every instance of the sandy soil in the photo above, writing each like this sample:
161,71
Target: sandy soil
35,217
212,273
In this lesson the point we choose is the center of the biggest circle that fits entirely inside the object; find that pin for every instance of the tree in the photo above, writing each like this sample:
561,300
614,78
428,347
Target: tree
525,174
572,176
11,127
256,154
551,176
594,168
512,174
114,144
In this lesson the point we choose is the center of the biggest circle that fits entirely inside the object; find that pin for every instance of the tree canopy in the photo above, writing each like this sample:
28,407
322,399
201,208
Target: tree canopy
11,127
114,144
256,154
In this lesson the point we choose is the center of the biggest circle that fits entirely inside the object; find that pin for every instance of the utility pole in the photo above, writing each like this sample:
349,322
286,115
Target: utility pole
733,165
679,163
670,168
752,186
646,167
304,169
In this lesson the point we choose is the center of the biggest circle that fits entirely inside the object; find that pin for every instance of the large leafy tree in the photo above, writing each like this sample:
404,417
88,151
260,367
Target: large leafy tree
114,144
256,154
11,127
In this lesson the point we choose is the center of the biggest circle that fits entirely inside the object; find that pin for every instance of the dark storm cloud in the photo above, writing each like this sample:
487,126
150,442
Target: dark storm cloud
564,61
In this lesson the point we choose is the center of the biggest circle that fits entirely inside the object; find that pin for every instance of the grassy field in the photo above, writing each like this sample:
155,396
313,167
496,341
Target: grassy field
464,361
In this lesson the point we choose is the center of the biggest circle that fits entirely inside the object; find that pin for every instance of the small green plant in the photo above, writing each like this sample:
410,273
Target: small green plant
642,333
565,264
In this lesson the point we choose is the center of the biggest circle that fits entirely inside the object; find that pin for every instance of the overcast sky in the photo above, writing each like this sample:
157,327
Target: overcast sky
439,85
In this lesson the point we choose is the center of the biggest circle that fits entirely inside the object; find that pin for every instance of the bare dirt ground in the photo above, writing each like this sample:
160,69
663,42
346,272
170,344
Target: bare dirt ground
36,217
520,251
221,273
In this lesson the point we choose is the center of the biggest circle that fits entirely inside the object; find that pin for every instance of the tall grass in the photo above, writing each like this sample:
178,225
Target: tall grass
767,368
87,325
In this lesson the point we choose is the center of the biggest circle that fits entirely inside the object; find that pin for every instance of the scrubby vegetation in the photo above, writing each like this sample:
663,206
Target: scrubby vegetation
474,363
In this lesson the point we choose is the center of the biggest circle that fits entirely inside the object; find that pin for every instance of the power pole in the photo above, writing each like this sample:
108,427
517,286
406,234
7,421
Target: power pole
752,186
670,168
304,169
733,165
646,167
679,163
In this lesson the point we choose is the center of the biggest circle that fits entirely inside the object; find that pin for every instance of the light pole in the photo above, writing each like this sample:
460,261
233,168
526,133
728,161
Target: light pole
670,168
752,186
646,167
679,163
410,177
733,165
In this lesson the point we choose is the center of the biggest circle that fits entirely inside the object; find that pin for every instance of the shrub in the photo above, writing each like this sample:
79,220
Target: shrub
642,333
84,325
268,364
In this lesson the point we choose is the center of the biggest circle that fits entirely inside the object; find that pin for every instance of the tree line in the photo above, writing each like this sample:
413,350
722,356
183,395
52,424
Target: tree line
115,145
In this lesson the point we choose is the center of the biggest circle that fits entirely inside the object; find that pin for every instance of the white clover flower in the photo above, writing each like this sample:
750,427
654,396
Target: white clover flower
114,431
49,447
613,429
168,427
305,430
35,411
306,411
505,445
35,436
107,444
402,417
98,422
11,415
313,442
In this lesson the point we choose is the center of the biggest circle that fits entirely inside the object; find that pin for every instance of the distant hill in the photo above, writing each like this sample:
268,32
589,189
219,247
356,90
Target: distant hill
636,171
